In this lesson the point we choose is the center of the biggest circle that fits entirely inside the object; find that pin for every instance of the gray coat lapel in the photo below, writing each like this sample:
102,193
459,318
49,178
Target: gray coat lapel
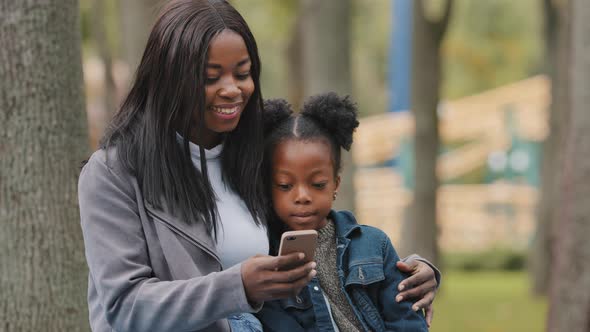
194,232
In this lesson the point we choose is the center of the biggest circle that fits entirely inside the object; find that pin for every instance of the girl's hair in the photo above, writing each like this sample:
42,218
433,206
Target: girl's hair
169,88
326,118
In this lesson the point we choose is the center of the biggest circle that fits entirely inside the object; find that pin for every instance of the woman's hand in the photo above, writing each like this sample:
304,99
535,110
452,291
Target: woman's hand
421,285
268,278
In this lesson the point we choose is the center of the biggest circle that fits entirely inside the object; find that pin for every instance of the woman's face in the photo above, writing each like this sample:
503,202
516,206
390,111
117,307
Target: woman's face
228,87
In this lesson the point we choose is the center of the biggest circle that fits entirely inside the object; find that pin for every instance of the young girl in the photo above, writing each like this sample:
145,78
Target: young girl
356,276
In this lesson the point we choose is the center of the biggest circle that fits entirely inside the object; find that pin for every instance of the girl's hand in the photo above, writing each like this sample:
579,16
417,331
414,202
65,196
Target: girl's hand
266,277
421,285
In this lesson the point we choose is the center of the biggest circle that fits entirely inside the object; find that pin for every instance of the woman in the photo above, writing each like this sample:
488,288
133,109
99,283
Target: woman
171,204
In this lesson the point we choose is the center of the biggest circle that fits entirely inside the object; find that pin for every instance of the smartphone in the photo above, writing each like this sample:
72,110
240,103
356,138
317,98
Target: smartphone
299,241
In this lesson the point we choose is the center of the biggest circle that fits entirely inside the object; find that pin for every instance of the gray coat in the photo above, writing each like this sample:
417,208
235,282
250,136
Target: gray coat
149,270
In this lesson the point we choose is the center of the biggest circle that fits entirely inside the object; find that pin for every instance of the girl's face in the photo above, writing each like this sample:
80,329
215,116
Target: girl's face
303,183
228,88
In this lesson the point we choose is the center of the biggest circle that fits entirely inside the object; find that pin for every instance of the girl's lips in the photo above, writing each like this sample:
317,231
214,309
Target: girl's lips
303,214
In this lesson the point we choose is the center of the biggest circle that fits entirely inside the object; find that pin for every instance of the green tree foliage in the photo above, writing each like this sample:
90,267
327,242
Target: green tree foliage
491,43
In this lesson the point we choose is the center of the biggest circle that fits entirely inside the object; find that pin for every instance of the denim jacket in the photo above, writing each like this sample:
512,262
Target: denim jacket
366,267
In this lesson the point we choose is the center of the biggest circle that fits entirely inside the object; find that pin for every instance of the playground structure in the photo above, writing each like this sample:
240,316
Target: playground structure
473,216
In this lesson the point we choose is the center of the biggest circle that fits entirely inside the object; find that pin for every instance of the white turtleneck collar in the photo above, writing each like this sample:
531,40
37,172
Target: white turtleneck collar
239,237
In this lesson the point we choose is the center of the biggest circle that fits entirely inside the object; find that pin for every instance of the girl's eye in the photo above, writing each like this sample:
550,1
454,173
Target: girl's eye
284,187
321,185
243,76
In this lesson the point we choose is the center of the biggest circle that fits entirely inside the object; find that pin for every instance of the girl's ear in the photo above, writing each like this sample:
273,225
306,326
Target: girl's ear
337,183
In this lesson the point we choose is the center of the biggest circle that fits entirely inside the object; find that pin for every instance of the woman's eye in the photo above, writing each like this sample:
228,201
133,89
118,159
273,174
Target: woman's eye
243,76
211,80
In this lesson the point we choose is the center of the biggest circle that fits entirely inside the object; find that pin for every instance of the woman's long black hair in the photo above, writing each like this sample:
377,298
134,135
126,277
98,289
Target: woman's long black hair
169,87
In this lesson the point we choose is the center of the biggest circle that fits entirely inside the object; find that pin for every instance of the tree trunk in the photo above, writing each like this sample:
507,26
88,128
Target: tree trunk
326,65
569,296
420,229
557,52
136,18
42,142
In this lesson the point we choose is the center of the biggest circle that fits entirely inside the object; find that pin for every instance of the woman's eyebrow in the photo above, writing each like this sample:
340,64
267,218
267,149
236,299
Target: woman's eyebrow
243,62
239,64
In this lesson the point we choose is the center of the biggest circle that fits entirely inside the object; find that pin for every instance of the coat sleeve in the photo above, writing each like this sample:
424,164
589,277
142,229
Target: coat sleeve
437,274
396,316
126,290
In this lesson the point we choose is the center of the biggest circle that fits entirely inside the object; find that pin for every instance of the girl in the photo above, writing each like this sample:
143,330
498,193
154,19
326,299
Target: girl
171,205
356,276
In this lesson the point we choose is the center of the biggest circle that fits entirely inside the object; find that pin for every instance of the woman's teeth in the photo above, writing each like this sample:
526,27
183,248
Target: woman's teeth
225,110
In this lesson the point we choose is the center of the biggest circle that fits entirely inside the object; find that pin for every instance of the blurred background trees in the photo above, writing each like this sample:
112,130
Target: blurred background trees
420,230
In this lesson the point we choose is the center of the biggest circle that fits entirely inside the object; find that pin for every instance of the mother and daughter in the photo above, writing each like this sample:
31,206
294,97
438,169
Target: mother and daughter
192,180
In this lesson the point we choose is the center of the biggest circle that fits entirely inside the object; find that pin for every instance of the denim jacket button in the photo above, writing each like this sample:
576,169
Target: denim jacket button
316,288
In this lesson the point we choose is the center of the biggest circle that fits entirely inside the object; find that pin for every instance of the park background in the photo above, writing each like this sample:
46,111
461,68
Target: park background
470,150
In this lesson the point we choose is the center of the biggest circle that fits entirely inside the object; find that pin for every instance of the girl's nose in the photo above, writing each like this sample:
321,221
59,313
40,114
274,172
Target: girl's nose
303,196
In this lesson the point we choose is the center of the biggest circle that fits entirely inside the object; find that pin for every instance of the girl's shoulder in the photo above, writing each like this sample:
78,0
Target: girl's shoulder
346,223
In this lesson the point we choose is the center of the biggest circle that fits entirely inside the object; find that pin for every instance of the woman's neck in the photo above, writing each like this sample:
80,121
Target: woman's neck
207,141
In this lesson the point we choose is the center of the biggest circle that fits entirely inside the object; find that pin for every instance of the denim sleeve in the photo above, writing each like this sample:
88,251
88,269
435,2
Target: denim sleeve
274,318
396,316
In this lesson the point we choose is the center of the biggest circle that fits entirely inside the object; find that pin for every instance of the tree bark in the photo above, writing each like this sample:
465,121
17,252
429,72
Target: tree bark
420,229
42,142
326,65
569,296
557,52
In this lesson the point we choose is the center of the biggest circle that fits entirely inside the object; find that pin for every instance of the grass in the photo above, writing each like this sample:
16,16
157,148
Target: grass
487,301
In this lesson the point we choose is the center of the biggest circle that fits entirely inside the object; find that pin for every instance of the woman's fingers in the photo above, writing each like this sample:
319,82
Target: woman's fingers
280,262
421,272
418,292
424,302
280,290
295,274
267,278
429,315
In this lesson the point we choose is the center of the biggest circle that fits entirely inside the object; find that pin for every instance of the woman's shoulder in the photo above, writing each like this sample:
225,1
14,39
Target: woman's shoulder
105,160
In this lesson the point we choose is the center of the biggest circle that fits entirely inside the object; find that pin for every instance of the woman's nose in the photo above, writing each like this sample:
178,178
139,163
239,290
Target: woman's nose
229,89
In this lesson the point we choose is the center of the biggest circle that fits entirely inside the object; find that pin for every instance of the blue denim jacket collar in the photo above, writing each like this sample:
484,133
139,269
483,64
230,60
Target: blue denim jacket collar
345,223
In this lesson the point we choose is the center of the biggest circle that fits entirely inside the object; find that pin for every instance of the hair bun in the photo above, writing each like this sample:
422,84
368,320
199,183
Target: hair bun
336,114
274,112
